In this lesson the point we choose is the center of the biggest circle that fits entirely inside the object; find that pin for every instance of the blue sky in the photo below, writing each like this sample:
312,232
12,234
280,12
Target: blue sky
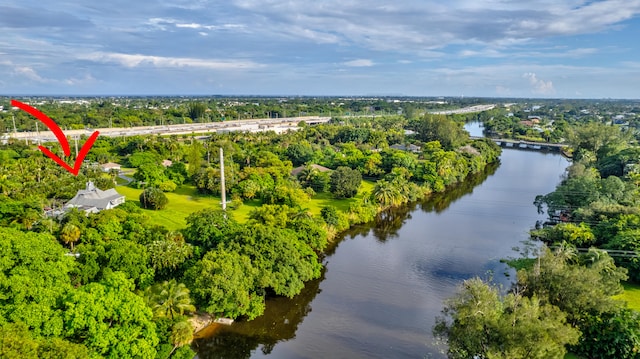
491,48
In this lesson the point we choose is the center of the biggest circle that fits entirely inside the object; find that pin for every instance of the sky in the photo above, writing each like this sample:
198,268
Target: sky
488,48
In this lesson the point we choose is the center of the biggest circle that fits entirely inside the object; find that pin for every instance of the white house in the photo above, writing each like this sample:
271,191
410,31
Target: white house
93,200
110,166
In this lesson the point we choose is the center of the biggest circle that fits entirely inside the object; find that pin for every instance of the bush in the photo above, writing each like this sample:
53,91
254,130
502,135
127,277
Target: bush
334,218
168,186
153,198
345,182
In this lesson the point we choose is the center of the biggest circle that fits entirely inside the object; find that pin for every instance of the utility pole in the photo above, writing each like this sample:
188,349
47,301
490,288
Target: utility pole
223,195
76,138
15,131
38,133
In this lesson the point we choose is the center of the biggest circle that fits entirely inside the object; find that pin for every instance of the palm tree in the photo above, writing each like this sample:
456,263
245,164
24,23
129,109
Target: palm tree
70,234
181,334
387,194
565,253
169,299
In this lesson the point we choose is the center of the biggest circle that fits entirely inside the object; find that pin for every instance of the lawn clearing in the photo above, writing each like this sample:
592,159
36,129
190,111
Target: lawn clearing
186,200
631,295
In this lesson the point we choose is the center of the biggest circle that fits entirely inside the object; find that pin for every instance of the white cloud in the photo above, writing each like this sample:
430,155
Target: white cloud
430,24
74,81
136,60
539,86
29,73
359,63
210,27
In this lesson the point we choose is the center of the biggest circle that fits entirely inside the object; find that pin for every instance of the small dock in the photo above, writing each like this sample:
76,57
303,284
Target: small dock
225,321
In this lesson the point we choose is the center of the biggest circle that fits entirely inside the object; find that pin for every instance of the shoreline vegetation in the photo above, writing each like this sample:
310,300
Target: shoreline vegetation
186,255
585,273
95,279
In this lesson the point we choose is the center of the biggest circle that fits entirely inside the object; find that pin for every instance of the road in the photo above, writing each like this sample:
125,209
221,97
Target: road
471,109
254,125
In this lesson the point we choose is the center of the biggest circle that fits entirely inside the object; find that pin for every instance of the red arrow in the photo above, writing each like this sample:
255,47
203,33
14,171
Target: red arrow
61,138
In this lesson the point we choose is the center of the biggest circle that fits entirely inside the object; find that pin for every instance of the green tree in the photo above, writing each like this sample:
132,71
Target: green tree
596,138
150,174
314,178
168,254
388,194
576,288
224,282
345,182
209,227
299,153
181,334
579,235
478,323
196,110
610,335
283,262
34,277
194,157
110,319
70,234
139,158
129,258
17,342
449,133
153,198
169,299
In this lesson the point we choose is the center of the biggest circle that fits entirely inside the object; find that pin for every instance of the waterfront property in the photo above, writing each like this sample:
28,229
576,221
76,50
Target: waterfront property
91,200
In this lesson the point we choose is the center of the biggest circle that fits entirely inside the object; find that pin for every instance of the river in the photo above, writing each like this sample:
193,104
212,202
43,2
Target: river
384,283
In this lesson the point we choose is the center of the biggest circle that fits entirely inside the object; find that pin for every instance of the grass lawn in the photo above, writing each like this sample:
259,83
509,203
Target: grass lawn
186,200
631,295
182,202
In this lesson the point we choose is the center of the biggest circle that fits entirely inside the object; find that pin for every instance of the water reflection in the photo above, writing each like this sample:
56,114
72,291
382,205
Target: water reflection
279,322
386,281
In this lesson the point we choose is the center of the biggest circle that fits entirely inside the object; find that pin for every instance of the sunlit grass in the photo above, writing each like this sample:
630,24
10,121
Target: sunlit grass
186,200
631,295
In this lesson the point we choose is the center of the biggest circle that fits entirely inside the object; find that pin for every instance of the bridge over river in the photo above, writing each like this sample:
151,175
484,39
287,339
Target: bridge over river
525,145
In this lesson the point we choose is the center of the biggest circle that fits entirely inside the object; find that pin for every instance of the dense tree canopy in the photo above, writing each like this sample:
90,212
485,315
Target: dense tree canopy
479,323
345,182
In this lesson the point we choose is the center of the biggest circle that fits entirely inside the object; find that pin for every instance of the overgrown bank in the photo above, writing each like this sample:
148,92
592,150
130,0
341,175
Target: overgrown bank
223,267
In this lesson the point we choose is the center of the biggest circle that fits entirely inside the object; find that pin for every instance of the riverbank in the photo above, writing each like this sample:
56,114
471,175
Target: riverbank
384,281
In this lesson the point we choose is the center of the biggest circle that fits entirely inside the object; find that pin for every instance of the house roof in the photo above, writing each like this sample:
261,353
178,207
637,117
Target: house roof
110,165
93,197
297,170
409,147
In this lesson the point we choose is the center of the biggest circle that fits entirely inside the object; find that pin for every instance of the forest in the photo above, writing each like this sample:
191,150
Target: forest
118,284
568,294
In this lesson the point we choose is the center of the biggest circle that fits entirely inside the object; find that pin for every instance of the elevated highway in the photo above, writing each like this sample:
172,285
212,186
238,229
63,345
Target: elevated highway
254,125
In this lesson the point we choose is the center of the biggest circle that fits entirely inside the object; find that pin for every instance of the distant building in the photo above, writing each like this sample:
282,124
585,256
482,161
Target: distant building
93,200
526,123
297,170
107,167
408,148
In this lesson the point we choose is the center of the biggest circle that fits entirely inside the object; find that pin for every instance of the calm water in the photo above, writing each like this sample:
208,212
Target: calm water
384,284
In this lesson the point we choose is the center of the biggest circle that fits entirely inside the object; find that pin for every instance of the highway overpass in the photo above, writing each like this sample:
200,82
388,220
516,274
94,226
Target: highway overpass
278,125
